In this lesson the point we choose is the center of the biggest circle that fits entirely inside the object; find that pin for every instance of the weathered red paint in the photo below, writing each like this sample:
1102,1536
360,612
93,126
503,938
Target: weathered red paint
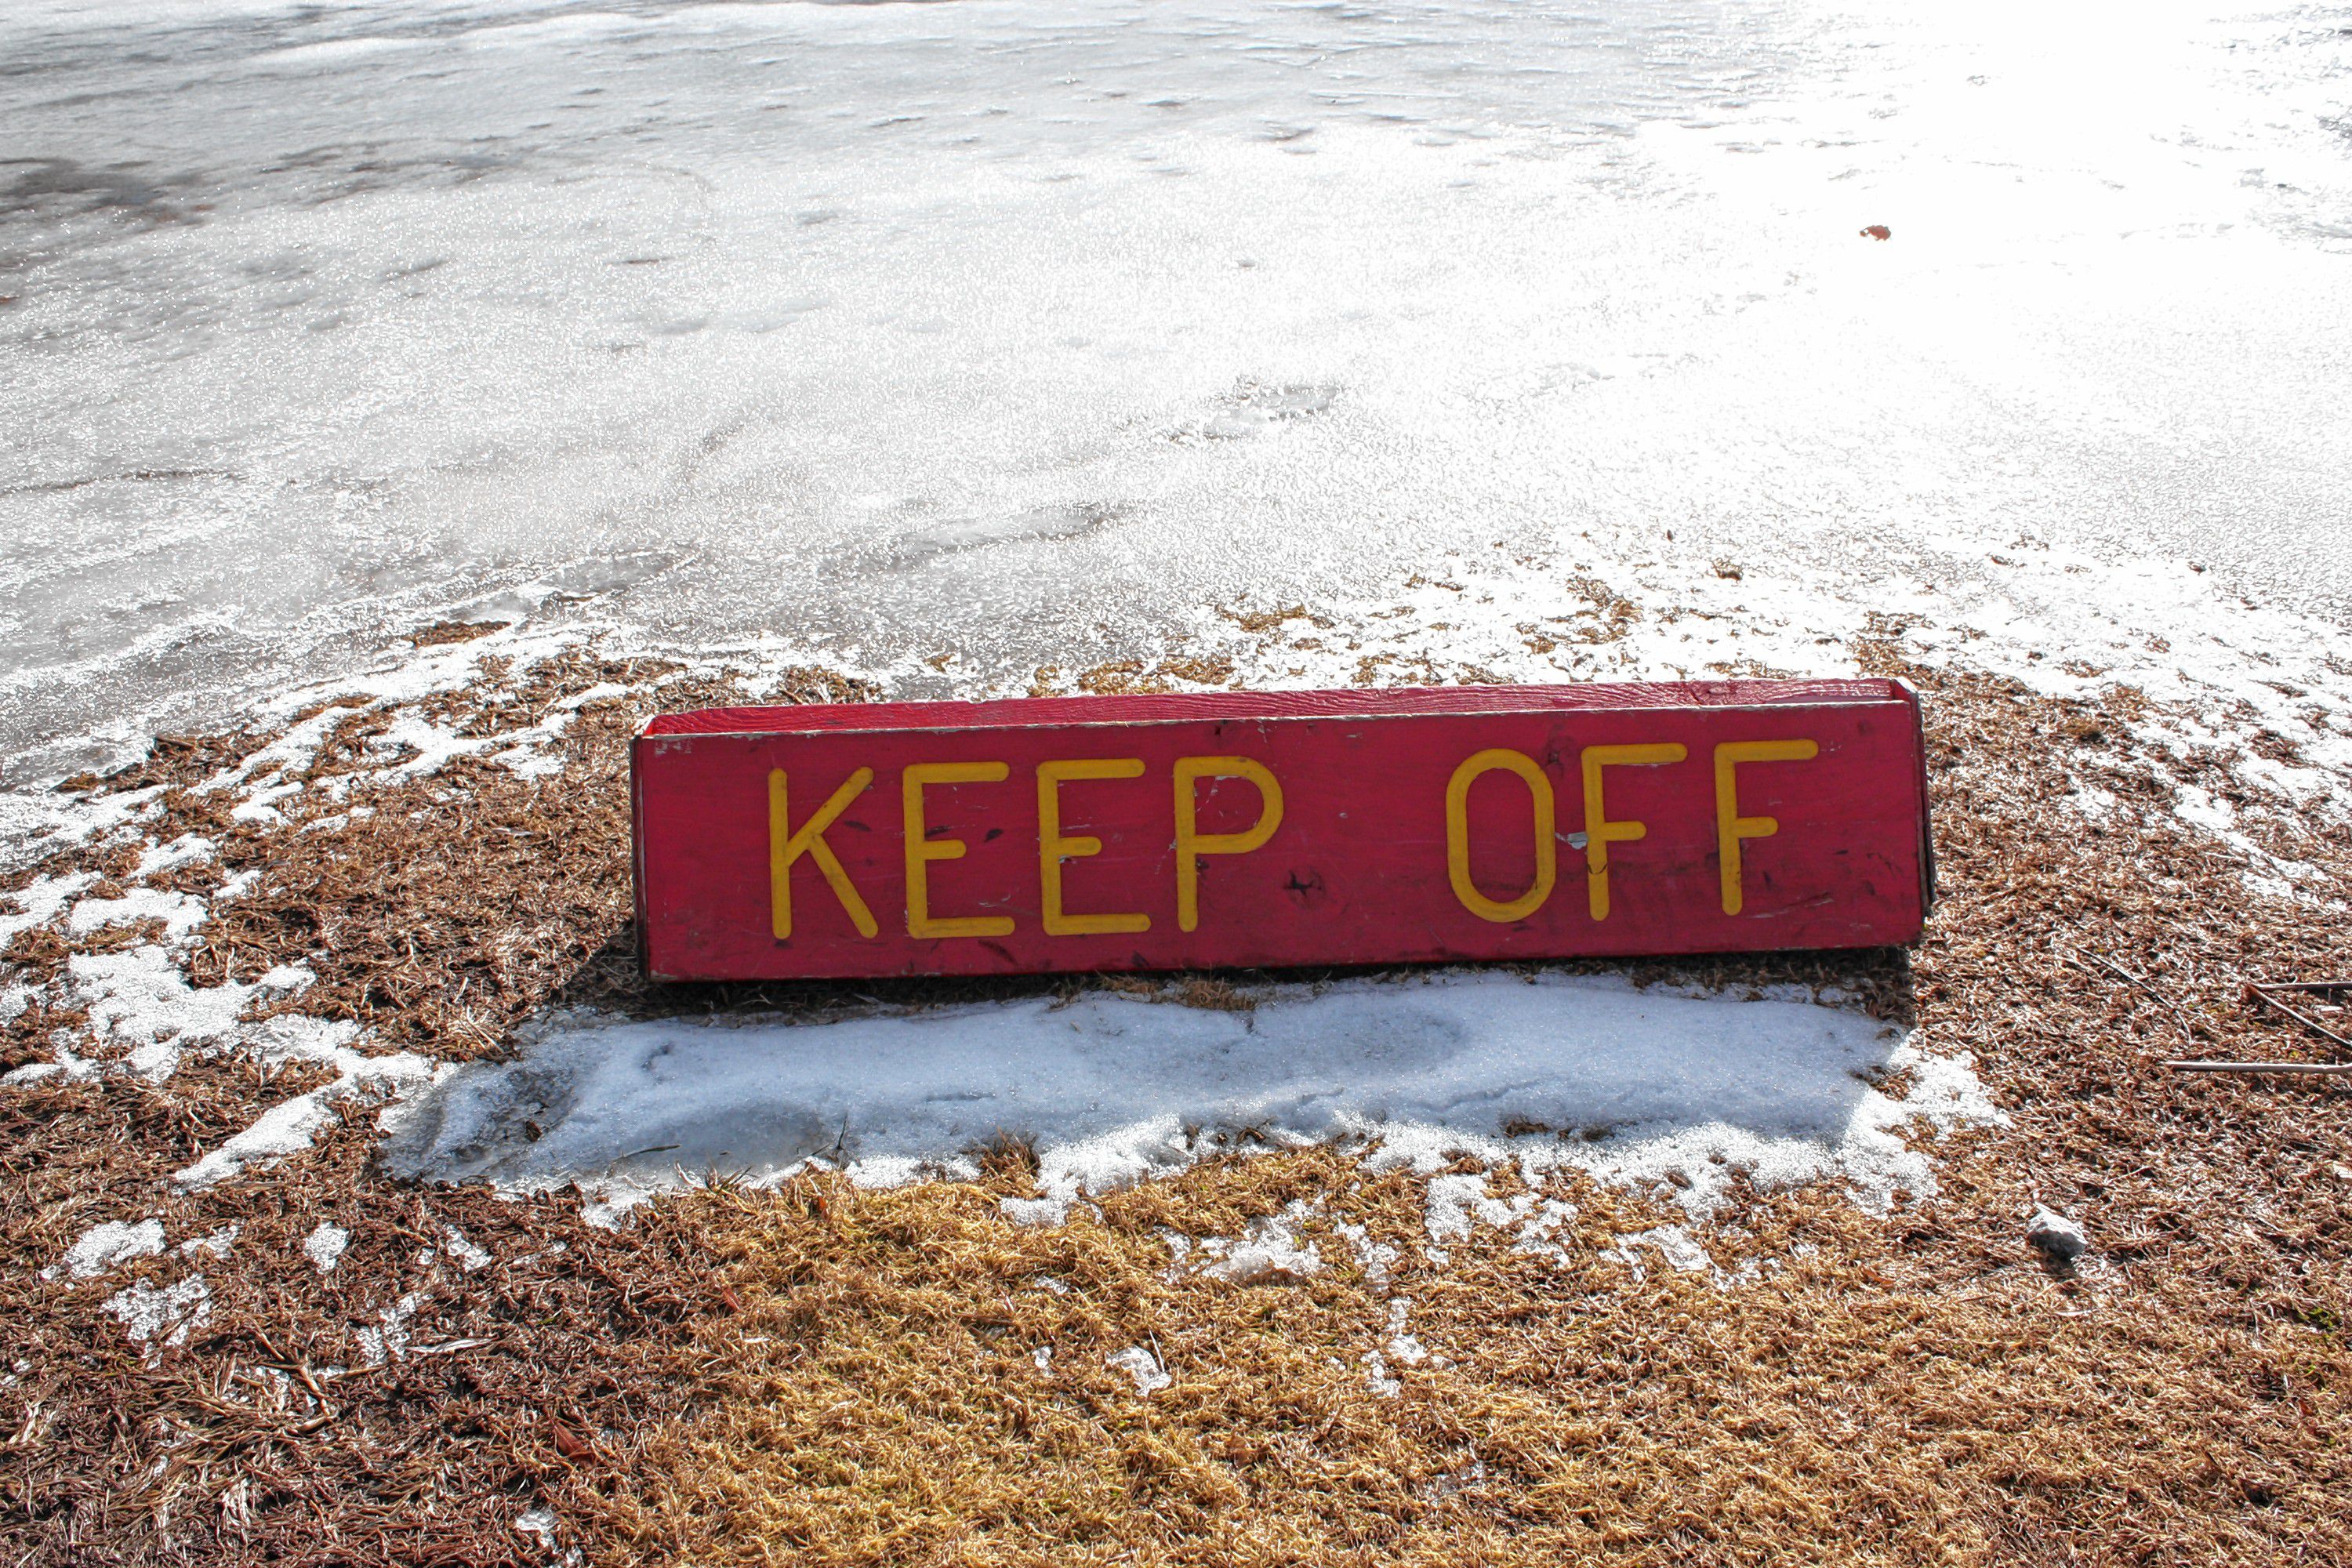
1357,870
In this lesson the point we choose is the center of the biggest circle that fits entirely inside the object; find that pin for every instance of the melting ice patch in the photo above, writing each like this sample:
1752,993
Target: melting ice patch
1633,1085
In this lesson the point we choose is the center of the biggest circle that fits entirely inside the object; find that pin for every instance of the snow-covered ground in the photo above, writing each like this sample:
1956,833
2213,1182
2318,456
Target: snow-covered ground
1684,1087
1109,1090
941,342
1030,331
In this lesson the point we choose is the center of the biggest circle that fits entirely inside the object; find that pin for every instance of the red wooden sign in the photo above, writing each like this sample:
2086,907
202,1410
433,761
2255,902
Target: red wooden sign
1260,829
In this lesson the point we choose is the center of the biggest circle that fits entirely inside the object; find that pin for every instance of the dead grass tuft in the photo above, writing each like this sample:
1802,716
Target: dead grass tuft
882,1399
441,633
1258,622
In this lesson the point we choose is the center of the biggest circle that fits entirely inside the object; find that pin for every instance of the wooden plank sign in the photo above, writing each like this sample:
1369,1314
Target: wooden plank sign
1278,828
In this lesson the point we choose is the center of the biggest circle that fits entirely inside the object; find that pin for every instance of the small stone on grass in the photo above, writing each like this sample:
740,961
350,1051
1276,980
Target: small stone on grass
2058,1236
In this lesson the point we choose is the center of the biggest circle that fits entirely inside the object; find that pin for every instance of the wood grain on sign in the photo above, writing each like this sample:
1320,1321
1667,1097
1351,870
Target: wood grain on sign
1276,828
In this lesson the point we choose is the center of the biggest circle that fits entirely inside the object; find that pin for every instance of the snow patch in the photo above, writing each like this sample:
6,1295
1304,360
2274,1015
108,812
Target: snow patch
1374,1258
141,1005
1403,1347
469,1255
291,1125
1640,1084
180,913
324,1245
388,1341
1456,1202
1268,1253
538,1522
188,849
1140,1364
1679,1248
169,1314
105,1246
38,903
217,1243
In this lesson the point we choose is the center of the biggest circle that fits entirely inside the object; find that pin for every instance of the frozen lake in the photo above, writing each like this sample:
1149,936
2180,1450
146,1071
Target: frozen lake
1032,331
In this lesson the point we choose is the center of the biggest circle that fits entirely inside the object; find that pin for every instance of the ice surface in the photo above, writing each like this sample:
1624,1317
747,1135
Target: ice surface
1026,333
1109,1090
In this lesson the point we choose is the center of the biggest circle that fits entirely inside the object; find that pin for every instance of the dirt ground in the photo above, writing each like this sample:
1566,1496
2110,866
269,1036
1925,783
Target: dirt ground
820,1374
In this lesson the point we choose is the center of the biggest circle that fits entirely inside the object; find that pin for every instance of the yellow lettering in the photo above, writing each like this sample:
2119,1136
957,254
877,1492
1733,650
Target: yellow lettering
1457,835
1731,827
921,851
784,847
1192,843
1054,847
1600,833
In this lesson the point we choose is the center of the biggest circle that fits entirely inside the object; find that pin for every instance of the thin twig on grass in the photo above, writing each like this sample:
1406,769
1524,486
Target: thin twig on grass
2187,1035
2262,993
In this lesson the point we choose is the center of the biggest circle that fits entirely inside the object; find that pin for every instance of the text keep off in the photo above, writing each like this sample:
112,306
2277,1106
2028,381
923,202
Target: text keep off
1272,829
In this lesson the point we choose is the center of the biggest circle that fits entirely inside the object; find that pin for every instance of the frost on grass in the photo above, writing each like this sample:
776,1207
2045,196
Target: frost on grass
1633,1085
1140,1364
1269,1253
103,1246
164,1316
324,1245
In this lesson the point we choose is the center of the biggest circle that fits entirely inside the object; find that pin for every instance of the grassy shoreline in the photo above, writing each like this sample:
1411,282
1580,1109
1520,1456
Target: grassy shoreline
825,1375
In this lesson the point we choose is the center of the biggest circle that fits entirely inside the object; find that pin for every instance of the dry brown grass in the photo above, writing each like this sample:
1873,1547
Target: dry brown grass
262,1438
1131,676
441,633
1258,622
463,902
1907,1393
855,1383
1918,1390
